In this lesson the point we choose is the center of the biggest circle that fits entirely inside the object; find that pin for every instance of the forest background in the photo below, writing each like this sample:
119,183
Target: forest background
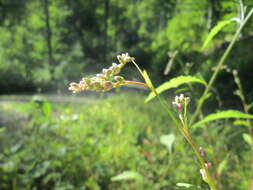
46,44
55,140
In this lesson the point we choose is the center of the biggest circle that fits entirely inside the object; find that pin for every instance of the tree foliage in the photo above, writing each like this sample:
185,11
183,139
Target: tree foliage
48,43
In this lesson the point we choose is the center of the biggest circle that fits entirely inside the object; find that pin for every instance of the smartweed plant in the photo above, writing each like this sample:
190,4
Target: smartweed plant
185,122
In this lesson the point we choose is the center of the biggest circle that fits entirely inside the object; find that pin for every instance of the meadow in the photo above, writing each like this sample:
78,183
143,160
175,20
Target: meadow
90,145
126,95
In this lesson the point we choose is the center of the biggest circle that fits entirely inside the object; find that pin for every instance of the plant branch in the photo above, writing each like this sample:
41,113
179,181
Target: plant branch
136,83
162,102
218,68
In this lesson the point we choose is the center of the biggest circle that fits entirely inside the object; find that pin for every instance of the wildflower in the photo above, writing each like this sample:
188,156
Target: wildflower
104,81
202,151
74,87
180,101
124,58
104,71
107,85
208,165
114,64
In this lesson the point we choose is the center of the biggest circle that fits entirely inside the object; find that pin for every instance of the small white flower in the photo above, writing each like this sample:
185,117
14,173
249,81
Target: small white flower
74,87
181,97
99,75
180,101
114,64
124,58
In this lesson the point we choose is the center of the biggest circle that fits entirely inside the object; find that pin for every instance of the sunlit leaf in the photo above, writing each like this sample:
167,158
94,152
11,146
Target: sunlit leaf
223,115
188,186
168,141
127,175
241,122
215,30
47,109
147,79
174,83
247,138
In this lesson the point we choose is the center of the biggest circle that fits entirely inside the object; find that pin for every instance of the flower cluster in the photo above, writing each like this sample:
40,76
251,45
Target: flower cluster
104,81
208,165
180,101
125,58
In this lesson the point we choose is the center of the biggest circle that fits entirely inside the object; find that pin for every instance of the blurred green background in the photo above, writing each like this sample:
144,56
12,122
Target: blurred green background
45,44
54,140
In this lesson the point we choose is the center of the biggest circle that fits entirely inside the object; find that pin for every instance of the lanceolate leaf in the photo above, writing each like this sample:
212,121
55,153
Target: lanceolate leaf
127,175
247,138
215,30
250,106
241,122
223,115
222,165
147,79
188,186
174,83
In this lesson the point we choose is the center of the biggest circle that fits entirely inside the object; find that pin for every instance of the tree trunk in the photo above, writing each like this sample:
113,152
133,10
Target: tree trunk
48,33
106,9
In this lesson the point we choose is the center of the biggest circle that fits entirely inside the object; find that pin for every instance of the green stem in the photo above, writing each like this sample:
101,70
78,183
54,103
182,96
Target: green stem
162,102
185,132
136,83
218,68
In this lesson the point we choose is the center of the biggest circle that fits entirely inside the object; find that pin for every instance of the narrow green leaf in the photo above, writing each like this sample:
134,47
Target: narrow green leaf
127,175
188,186
174,83
247,138
168,141
241,122
250,106
172,56
222,165
215,30
182,90
223,115
147,79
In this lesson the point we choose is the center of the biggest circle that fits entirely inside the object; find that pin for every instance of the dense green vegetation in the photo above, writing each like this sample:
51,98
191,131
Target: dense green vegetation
45,44
199,50
81,146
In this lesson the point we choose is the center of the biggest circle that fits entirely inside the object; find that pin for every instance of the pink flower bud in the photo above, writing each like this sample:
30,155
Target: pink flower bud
107,85
180,107
208,165
81,83
202,151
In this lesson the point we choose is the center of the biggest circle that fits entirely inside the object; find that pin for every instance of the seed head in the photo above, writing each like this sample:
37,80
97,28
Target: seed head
119,78
104,81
